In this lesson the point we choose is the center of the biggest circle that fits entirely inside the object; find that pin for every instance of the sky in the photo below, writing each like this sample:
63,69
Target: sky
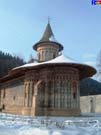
76,25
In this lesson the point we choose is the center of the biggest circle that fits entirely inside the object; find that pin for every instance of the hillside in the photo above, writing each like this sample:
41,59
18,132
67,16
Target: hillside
89,86
7,62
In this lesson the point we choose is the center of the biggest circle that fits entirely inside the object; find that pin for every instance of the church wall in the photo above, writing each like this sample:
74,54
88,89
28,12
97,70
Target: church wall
12,95
61,92
43,92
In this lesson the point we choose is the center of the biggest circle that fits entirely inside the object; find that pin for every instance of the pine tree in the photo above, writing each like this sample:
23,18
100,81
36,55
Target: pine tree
7,62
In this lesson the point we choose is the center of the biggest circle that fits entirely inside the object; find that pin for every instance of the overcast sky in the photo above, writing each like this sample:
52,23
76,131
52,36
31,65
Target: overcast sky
76,24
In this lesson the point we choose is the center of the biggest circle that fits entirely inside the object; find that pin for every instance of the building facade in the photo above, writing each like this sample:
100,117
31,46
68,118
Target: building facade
49,87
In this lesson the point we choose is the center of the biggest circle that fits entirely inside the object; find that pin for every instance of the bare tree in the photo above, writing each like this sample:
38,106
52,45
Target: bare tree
99,66
31,59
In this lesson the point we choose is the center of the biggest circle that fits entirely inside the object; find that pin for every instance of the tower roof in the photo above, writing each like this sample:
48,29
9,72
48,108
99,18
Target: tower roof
48,36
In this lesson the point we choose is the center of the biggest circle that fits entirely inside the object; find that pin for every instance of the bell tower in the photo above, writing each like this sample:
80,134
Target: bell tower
47,48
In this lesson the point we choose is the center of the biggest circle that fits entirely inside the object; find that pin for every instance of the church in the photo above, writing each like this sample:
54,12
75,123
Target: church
48,86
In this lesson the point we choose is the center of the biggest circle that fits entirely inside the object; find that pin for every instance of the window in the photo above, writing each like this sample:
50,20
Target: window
39,56
4,93
3,106
14,98
53,55
49,103
74,90
74,95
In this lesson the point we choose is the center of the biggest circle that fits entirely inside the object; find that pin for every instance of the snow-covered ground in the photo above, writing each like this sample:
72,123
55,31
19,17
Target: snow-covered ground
25,125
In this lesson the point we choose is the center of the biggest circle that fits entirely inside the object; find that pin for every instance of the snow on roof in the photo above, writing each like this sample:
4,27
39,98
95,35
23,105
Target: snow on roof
59,59
85,70
52,38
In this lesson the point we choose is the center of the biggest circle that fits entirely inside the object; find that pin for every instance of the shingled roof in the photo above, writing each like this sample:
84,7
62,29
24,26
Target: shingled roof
48,36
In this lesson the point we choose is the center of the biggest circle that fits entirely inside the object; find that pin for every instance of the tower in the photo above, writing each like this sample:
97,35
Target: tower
47,48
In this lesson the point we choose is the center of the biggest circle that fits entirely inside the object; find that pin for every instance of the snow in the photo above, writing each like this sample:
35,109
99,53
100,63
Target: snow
52,38
28,125
60,59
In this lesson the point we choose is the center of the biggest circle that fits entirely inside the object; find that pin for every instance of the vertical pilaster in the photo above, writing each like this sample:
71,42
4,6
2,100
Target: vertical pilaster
46,96
65,88
72,100
30,94
78,95
26,94
59,92
52,99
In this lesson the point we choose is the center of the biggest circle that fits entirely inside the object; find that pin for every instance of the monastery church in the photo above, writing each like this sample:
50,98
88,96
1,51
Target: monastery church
48,87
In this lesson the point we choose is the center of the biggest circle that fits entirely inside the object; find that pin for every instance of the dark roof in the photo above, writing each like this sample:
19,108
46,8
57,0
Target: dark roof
47,33
47,37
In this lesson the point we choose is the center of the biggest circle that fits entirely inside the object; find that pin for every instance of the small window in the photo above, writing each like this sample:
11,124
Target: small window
49,103
74,95
54,55
3,106
25,94
14,98
39,56
4,94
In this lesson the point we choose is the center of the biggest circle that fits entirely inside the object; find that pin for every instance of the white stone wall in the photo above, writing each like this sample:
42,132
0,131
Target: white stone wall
90,103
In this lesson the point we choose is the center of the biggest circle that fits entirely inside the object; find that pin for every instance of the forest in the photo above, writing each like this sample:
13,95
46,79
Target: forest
7,62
